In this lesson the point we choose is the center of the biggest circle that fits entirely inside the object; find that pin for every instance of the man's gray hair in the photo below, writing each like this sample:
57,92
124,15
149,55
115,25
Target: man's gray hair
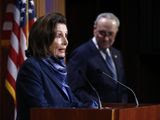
110,16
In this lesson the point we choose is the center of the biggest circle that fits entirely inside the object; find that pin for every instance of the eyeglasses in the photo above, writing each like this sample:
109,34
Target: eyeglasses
105,33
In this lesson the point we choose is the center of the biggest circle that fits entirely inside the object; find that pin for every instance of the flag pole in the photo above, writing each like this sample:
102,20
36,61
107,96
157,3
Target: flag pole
27,23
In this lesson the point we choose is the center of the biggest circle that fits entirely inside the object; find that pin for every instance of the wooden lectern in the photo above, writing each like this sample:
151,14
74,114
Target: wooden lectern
112,112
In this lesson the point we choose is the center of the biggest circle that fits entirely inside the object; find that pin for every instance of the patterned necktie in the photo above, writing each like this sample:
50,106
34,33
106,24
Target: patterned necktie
111,66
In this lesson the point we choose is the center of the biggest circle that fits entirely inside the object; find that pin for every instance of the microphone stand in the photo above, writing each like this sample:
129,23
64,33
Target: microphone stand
136,100
93,88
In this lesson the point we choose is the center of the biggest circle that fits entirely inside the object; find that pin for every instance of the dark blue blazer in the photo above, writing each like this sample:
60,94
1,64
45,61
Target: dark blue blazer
88,60
36,86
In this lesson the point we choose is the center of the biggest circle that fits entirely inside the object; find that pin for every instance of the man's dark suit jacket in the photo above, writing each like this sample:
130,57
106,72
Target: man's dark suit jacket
82,67
37,86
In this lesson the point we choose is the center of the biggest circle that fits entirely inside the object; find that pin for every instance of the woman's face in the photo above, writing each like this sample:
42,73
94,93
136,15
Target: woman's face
60,42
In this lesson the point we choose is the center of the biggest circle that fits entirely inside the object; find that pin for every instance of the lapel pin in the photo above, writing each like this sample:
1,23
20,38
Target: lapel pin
115,56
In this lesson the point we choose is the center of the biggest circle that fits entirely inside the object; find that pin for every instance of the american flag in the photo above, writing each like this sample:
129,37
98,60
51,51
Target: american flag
23,18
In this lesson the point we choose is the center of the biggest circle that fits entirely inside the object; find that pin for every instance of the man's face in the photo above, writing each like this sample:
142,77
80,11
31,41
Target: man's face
105,32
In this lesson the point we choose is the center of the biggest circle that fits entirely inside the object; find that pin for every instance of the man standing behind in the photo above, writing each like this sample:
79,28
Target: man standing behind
87,62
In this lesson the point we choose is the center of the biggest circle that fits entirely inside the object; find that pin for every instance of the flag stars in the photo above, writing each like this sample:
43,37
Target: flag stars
23,1
21,19
26,8
23,10
32,3
30,10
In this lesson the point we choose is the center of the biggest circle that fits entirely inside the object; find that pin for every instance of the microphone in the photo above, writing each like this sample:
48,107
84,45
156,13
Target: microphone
92,87
135,97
